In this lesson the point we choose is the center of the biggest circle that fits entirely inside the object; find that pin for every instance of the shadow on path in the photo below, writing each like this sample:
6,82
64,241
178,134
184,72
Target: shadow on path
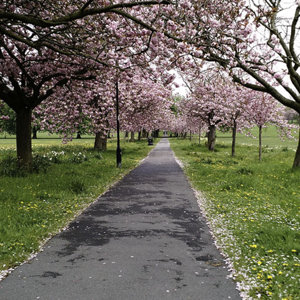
143,239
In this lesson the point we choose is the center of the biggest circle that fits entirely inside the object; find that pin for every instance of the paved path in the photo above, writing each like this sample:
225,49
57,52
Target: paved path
143,240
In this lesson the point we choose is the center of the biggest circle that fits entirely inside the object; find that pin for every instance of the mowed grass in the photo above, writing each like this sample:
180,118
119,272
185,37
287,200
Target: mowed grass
253,210
270,138
36,206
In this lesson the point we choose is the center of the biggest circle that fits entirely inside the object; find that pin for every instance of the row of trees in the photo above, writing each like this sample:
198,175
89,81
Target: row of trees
54,52
224,105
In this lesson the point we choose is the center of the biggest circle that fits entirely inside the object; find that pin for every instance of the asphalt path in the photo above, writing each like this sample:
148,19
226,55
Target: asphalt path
143,239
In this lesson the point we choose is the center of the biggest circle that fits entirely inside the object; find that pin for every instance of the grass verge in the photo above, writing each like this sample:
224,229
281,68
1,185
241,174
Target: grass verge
38,205
253,210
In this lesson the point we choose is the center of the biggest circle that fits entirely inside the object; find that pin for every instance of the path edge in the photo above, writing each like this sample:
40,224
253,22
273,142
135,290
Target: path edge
5,273
201,201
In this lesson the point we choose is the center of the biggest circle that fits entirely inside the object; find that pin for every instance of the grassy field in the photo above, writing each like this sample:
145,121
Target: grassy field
270,138
253,210
36,206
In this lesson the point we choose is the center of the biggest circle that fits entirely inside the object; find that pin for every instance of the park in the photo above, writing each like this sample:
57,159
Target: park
149,149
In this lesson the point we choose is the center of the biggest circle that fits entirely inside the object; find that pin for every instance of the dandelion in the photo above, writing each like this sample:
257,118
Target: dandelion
294,251
253,246
259,262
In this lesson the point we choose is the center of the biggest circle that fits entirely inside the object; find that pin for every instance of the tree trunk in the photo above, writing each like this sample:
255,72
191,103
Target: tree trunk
23,140
34,132
126,134
78,136
144,134
100,142
233,138
259,142
296,163
139,136
211,137
199,134
132,136
190,135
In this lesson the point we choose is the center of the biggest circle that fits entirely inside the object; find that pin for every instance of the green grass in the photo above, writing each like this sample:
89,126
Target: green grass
36,206
270,138
253,210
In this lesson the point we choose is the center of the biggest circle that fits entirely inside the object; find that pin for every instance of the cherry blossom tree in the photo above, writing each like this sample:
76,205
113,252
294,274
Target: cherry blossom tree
263,110
255,41
79,52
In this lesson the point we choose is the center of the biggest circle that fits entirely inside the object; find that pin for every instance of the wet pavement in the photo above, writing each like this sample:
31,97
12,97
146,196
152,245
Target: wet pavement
143,239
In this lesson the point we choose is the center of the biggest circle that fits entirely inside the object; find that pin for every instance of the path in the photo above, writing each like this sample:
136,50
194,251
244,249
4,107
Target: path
143,240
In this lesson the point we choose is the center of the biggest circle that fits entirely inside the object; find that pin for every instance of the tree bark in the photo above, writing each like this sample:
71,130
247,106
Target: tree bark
296,163
132,136
78,136
211,137
100,142
190,135
139,136
126,134
259,142
23,138
199,134
233,138
144,134
34,132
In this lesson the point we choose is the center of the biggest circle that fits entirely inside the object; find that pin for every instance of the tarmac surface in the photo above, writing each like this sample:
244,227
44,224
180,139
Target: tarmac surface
144,239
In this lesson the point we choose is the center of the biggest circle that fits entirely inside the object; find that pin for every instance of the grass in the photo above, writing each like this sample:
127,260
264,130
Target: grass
253,210
270,138
36,206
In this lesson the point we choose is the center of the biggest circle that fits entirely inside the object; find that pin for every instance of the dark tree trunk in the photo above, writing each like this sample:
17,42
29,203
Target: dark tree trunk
126,134
108,135
211,137
184,135
156,133
199,134
296,163
23,140
100,142
34,132
190,135
139,136
259,142
144,134
233,138
78,136
132,136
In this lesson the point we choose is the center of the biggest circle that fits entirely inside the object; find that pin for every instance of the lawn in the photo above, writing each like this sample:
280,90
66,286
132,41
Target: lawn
252,208
270,138
34,207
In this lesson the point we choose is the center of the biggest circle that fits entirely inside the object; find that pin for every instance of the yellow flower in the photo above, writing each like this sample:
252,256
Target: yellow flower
279,272
270,251
270,277
294,251
259,262
253,246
